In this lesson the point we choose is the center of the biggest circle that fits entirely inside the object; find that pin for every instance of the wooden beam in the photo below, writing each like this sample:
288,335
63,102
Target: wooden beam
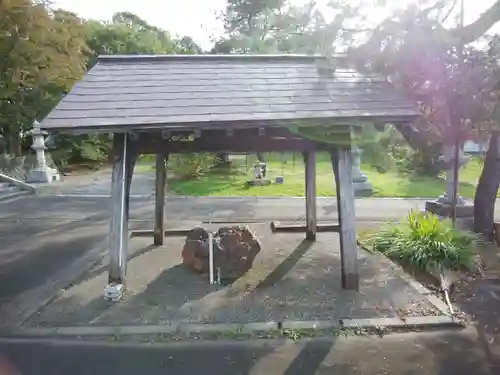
278,226
230,144
160,186
342,167
124,156
235,140
310,176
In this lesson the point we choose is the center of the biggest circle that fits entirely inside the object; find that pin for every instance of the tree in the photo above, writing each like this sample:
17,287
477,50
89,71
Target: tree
273,26
186,45
412,47
125,34
43,55
456,90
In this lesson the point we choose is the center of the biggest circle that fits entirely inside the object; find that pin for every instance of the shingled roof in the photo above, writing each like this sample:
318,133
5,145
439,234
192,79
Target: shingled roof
212,91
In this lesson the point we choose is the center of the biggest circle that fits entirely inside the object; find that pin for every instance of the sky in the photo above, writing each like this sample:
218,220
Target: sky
197,18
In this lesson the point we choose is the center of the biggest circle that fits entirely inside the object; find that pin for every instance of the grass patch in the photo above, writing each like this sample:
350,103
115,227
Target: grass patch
425,243
231,181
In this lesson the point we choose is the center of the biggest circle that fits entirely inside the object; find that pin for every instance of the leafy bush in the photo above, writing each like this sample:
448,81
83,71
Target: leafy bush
189,166
427,243
83,150
384,150
424,161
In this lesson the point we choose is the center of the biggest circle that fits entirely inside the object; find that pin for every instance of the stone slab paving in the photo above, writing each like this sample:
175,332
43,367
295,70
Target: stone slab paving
231,209
99,183
291,280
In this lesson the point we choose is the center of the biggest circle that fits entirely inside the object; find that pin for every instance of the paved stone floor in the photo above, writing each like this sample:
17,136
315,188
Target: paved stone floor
291,279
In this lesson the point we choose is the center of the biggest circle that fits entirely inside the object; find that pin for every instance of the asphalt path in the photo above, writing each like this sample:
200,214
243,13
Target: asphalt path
437,353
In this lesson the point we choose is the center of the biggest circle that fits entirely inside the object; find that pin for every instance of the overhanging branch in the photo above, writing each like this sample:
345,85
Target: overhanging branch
478,28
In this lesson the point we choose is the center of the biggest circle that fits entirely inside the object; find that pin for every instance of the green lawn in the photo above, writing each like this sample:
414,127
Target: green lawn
231,182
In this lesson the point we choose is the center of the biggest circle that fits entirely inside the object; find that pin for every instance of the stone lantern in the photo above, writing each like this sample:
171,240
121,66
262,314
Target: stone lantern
362,186
41,173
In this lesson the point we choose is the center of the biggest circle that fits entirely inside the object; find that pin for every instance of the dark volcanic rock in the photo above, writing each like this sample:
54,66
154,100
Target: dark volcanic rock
195,251
235,249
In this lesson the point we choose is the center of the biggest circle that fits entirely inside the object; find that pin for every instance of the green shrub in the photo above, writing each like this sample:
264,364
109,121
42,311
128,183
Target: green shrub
189,166
424,161
427,243
83,150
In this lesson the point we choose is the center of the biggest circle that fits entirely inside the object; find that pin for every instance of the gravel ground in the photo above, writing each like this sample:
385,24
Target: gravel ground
478,298
291,279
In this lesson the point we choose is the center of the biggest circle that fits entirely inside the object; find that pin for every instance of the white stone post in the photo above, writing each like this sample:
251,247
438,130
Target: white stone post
360,181
41,173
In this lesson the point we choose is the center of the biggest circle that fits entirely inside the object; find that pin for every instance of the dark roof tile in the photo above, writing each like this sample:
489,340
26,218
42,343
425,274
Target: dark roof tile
137,92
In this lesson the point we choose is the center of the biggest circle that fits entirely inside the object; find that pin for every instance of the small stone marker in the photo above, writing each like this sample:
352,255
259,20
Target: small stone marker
113,292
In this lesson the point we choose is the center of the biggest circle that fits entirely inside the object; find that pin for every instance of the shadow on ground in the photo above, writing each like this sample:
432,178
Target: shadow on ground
291,279
437,353
32,251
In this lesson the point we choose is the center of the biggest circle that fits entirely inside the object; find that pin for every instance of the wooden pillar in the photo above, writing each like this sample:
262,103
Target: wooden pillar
310,176
124,156
342,168
160,186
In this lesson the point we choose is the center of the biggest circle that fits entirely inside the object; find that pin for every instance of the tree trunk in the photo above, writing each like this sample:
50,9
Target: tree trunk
14,144
486,191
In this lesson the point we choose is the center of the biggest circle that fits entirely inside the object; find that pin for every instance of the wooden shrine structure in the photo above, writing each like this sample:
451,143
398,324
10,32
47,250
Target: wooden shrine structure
164,104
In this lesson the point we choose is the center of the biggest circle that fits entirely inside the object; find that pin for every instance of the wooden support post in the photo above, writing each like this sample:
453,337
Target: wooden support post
342,168
310,176
160,186
124,156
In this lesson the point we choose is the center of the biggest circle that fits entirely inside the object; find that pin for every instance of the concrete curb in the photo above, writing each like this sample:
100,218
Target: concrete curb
274,197
417,322
431,298
95,196
172,328
296,222
14,195
411,322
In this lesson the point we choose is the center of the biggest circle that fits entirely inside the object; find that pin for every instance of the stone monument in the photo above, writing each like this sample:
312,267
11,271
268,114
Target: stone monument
260,174
362,187
42,173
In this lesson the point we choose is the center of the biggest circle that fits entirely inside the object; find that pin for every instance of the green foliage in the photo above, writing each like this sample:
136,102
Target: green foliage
426,243
44,52
189,166
275,26
424,161
42,55
384,150
87,150
126,34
